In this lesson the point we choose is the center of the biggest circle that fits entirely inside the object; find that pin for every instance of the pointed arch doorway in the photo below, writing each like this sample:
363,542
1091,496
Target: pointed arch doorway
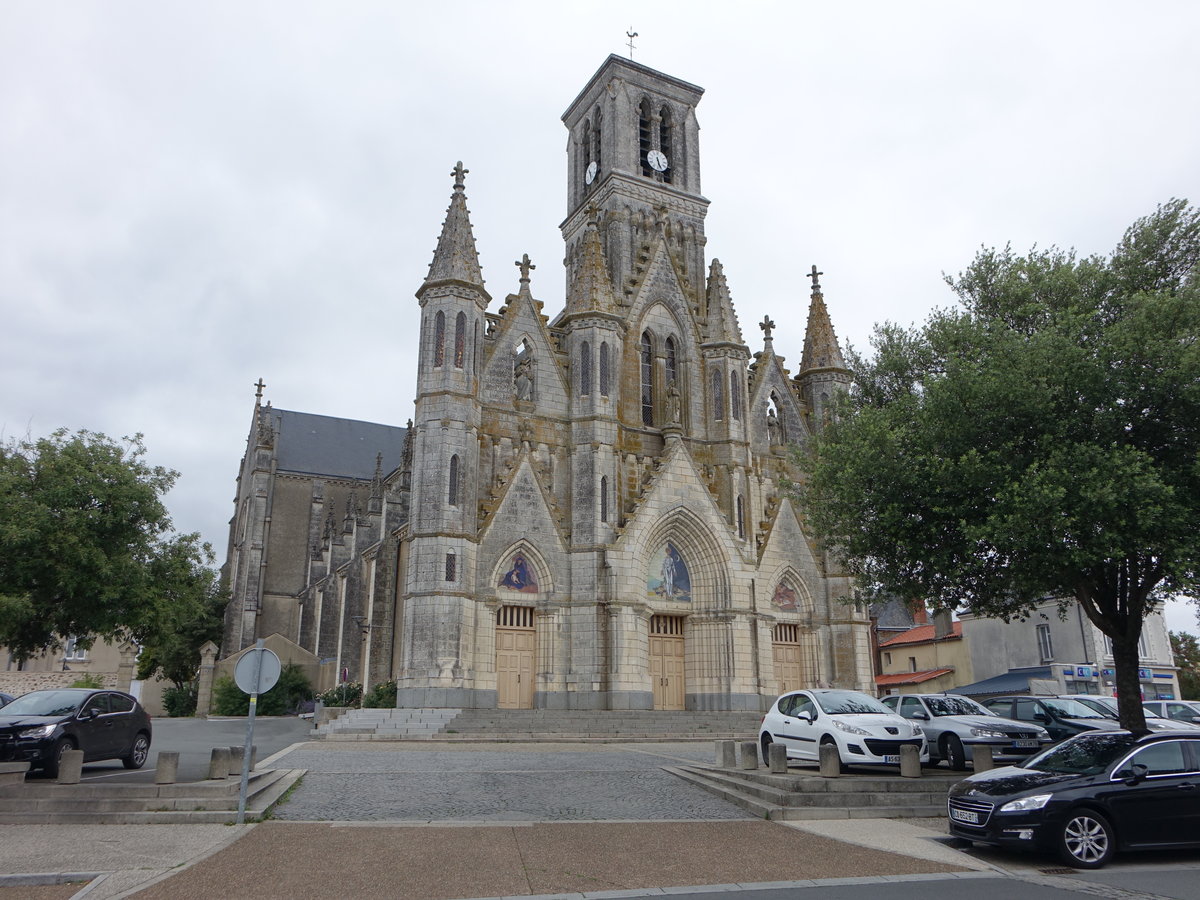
667,662
516,646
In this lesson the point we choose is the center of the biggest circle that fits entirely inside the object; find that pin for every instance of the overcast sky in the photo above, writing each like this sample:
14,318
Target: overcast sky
194,195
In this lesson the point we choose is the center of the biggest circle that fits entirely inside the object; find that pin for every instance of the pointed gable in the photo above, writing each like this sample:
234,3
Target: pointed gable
787,550
522,510
591,290
456,261
771,382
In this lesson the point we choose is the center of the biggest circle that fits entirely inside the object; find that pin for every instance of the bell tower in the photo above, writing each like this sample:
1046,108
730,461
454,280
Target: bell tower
633,167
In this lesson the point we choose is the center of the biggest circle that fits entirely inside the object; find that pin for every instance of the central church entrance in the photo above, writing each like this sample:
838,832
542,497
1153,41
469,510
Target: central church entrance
666,661
515,647
785,646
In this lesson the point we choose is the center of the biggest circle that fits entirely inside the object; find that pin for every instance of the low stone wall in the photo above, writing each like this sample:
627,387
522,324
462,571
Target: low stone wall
17,683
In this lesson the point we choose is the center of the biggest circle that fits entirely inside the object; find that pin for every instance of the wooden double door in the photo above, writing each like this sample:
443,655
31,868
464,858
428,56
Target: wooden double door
516,648
667,661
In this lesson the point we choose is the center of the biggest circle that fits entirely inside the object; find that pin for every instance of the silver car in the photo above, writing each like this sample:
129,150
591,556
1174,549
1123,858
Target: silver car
955,725
1179,710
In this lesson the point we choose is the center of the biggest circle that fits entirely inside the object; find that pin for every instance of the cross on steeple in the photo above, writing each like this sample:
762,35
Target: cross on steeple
814,275
524,265
459,173
631,34
766,325
260,385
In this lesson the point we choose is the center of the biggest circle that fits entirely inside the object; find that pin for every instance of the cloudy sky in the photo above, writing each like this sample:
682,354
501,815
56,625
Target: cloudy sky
196,195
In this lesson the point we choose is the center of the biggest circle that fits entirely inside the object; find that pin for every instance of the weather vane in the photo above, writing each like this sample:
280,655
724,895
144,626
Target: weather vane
631,34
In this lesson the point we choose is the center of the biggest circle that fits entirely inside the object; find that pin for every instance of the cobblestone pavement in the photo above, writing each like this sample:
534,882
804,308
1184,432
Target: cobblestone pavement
515,783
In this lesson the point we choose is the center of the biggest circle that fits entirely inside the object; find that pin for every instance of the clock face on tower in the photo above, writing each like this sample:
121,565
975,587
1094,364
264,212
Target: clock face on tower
590,175
657,160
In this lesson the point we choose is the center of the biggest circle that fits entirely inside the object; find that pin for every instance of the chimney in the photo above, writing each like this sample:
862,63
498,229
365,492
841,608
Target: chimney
943,624
920,615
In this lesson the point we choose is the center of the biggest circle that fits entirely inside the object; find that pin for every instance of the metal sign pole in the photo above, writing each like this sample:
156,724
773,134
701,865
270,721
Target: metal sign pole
248,749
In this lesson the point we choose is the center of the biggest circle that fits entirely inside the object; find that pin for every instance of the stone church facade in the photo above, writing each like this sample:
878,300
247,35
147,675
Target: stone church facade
584,511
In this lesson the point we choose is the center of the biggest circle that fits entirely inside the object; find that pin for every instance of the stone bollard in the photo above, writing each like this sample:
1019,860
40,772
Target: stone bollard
166,769
218,765
831,761
910,761
70,767
981,757
726,754
749,755
235,758
777,754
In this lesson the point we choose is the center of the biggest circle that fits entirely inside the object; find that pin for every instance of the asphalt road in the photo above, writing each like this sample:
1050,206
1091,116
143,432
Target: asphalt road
194,740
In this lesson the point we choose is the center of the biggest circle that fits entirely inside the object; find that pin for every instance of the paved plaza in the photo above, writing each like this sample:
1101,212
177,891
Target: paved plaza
498,783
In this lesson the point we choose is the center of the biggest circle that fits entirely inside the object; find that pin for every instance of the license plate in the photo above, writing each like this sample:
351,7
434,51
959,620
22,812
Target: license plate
893,760
965,815
1025,745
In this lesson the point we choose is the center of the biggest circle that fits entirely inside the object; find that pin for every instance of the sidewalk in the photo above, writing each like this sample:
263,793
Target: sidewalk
402,861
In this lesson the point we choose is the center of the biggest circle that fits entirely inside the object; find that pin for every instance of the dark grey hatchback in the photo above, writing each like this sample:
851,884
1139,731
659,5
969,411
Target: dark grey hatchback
1088,797
42,725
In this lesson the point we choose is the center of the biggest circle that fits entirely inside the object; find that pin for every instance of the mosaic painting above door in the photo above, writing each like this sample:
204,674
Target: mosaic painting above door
668,576
520,577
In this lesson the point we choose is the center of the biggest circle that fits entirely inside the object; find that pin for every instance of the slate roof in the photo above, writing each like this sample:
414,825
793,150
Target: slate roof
1014,681
339,448
923,634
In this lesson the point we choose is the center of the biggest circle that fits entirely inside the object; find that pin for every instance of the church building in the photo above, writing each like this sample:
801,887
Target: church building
585,511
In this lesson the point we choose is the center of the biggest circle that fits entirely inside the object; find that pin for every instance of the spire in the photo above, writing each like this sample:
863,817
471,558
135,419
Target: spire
591,288
821,349
722,320
455,261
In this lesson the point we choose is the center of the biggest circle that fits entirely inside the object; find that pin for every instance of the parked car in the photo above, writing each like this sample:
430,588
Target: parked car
1180,710
954,726
1062,718
42,725
1087,797
1107,706
864,731
5,699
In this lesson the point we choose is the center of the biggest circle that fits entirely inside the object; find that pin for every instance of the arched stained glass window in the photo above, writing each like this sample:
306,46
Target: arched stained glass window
664,142
604,369
741,517
439,339
452,493
672,363
644,136
460,339
735,397
718,395
647,379
603,498
585,368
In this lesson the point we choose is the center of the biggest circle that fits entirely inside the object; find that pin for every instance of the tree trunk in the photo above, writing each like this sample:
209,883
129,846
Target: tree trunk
1129,688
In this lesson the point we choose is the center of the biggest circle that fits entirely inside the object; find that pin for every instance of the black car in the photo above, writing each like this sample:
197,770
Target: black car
42,725
1061,717
1087,797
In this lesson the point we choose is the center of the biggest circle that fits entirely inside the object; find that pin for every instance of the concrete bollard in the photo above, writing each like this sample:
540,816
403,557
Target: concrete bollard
70,767
166,768
749,755
727,754
910,761
981,757
831,761
218,765
778,759
235,758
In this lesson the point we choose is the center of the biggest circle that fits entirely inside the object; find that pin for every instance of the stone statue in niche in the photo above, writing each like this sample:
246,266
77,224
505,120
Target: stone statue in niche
672,404
774,431
523,377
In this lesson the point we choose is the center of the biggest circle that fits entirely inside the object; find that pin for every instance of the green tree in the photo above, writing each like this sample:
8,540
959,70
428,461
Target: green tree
1042,441
1186,650
86,546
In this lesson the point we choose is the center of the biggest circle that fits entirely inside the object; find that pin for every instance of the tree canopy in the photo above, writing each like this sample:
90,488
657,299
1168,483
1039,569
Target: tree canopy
1039,441
87,547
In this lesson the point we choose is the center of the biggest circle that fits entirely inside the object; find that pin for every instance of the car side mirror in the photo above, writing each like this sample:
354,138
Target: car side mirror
807,717
924,716
1041,717
1139,774
92,712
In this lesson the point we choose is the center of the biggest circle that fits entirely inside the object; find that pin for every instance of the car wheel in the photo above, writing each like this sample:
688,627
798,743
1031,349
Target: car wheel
766,743
956,756
53,764
832,743
136,757
1087,840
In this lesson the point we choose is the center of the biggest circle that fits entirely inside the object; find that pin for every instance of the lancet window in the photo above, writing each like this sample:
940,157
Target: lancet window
460,339
647,368
735,397
645,136
665,143
585,368
718,395
604,369
439,339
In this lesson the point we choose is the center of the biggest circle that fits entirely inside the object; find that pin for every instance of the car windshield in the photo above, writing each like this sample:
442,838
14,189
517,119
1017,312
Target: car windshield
850,703
1086,754
1070,709
45,703
956,706
1102,705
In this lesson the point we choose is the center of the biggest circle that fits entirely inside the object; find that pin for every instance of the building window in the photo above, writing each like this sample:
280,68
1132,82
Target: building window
439,339
451,567
452,493
664,143
585,368
647,380
735,397
604,369
72,652
603,498
1045,646
460,339
741,517
597,134
644,146
672,365
718,395
887,658
912,664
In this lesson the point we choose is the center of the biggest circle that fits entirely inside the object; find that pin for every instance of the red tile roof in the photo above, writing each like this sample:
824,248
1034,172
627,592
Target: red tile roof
910,677
922,634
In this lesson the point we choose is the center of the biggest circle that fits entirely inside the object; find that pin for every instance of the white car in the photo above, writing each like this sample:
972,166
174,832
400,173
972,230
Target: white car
864,731
1107,706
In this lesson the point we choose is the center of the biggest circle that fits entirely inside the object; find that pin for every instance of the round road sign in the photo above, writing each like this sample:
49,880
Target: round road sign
248,665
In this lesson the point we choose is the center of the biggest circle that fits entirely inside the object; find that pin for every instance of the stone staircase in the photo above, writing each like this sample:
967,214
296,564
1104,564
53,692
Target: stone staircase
538,725
212,802
808,795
